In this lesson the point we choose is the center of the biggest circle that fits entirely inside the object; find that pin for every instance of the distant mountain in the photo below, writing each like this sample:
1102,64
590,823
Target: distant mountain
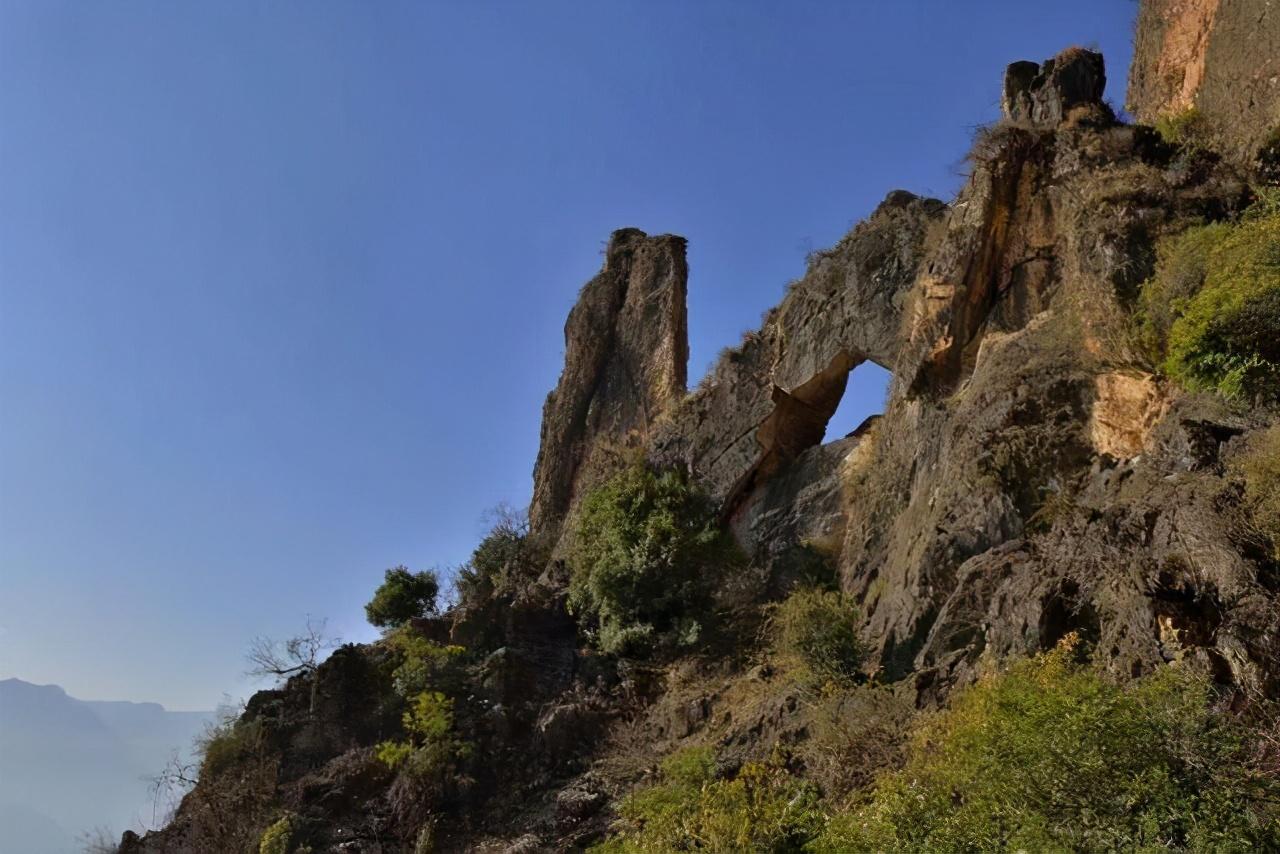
68,766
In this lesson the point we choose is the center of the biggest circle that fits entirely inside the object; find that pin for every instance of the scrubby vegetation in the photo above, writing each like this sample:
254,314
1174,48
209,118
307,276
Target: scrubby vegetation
761,808
1212,309
505,556
432,744
276,838
1185,128
818,630
1052,756
403,596
1260,467
646,552
425,675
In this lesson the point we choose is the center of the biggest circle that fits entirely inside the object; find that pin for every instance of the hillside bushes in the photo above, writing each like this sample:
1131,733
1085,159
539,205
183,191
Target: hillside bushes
1052,756
1212,309
818,630
646,552
761,808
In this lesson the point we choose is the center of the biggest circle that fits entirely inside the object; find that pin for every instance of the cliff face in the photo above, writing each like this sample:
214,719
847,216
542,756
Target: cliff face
626,356
1033,474
1220,57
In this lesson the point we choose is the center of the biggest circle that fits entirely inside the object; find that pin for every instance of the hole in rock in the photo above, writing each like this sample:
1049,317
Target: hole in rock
864,396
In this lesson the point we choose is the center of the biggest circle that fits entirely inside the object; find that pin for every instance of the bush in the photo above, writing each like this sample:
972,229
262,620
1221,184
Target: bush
1185,128
275,839
502,555
432,745
228,742
646,552
403,596
819,630
763,808
1212,309
1260,466
422,663
1182,262
1052,757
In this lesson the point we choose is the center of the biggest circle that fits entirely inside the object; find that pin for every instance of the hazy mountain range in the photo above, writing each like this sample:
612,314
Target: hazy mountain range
68,766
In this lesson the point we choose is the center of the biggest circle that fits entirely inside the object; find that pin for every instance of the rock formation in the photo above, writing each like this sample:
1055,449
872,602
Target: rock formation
1033,474
626,357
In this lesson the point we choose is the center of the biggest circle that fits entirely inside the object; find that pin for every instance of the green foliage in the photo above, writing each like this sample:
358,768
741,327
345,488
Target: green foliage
432,745
276,838
1184,129
228,742
422,663
762,808
1052,757
646,552
1182,263
403,596
502,556
819,630
1260,466
1211,312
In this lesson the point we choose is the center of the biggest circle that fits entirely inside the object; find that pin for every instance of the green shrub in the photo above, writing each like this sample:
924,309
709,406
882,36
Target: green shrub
276,838
1211,312
762,808
503,556
646,552
819,630
1184,129
1051,756
1228,334
1260,466
1182,262
403,596
228,742
432,745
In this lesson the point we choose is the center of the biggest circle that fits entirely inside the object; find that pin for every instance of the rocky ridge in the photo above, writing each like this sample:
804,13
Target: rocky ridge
1033,474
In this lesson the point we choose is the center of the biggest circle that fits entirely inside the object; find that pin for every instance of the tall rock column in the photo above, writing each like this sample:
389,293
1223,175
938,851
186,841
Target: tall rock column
626,361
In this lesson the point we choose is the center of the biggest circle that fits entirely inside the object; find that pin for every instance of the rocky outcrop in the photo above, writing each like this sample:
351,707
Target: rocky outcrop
626,358
1220,57
768,401
1044,95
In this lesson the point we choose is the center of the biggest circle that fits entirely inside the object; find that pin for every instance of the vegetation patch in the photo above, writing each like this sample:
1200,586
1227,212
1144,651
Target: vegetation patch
276,838
1051,756
432,746
1212,310
403,596
761,808
646,553
818,629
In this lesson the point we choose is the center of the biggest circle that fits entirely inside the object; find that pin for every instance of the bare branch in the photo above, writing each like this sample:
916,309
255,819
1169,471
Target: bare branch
293,656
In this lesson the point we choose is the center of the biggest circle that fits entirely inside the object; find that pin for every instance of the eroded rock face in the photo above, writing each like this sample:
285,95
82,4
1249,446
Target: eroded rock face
768,401
1221,57
626,358
1044,95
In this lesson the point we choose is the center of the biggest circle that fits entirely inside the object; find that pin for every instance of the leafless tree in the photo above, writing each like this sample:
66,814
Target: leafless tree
296,656
98,841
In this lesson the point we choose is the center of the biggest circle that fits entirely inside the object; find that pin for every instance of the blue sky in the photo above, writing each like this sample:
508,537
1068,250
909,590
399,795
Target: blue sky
282,285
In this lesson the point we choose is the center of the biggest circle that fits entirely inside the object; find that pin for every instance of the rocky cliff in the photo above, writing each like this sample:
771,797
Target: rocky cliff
1037,474
1220,58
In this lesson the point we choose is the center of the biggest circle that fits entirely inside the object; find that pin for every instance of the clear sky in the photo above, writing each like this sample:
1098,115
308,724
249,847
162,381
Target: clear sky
282,284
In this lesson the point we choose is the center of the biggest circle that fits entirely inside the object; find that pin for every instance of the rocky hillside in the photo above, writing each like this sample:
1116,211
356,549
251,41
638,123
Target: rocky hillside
718,631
